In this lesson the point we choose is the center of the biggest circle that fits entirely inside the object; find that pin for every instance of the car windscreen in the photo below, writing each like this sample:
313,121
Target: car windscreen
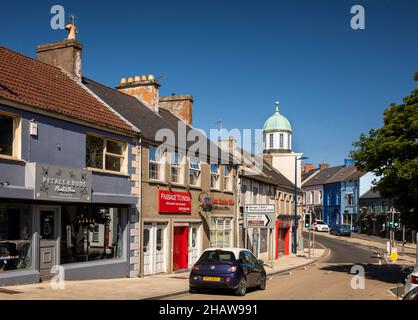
217,256
320,222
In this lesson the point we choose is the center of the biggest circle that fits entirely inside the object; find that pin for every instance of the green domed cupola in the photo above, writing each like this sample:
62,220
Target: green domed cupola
277,122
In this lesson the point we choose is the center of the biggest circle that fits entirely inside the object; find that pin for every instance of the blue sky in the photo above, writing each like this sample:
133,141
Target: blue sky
237,57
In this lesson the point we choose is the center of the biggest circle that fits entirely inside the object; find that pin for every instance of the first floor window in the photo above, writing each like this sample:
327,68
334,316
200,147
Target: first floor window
227,178
220,232
105,154
350,199
176,176
9,135
15,237
194,170
91,233
214,176
154,163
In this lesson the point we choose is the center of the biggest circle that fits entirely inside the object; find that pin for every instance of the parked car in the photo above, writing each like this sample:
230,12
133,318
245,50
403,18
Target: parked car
227,268
320,226
411,295
411,280
341,230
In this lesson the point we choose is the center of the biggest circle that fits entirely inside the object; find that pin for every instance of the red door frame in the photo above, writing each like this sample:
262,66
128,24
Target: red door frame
180,247
286,240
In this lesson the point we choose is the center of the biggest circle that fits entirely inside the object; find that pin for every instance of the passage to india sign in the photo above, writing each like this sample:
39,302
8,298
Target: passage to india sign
174,202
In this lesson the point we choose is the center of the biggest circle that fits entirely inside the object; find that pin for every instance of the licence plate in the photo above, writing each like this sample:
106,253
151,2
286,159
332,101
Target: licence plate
212,279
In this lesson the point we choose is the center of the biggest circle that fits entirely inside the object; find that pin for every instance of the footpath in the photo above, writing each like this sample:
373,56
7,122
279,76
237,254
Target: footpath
149,287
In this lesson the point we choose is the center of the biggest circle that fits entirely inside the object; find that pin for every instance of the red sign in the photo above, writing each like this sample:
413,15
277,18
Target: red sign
223,202
174,202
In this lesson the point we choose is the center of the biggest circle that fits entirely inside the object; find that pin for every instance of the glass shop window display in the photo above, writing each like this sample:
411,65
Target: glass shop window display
90,234
15,237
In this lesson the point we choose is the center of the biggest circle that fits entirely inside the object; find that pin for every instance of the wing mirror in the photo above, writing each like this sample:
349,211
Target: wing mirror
261,262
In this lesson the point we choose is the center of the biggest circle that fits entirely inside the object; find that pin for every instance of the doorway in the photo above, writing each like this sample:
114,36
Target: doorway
154,248
194,244
180,248
49,233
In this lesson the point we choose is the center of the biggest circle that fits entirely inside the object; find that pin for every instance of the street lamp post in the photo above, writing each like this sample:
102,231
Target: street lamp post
295,240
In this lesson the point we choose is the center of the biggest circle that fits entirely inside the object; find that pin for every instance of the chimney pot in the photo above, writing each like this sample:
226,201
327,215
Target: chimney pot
130,79
123,80
144,78
151,77
137,78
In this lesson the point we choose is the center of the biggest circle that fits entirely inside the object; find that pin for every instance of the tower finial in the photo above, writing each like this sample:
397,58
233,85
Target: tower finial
277,106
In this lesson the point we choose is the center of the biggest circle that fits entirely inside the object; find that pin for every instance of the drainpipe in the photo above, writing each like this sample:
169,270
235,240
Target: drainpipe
236,206
141,230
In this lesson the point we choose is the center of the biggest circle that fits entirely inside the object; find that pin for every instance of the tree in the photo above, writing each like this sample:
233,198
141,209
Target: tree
391,152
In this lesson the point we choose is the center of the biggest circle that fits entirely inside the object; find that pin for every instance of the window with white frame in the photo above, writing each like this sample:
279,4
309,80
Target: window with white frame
312,197
271,140
194,171
320,197
221,232
350,199
9,135
281,140
105,154
176,166
155,159
214,176
227,178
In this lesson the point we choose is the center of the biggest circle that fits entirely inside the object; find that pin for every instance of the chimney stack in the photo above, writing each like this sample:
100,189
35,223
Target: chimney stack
181,105
308,167
323,166
142,87
64,54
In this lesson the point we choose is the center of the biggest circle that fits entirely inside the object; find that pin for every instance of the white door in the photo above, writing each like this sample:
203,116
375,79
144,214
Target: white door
154,247
160,256
48,239
147,248
194,244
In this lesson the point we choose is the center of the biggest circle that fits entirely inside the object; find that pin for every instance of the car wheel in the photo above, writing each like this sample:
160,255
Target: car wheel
193,290
338,233
242,288
263,282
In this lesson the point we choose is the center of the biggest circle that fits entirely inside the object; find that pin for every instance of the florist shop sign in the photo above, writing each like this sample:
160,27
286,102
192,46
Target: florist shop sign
61,183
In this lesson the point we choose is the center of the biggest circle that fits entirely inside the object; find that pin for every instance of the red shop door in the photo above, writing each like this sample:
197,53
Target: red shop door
180,248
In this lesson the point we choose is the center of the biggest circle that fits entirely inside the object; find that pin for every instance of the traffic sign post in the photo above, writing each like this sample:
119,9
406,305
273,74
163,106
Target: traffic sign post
260,216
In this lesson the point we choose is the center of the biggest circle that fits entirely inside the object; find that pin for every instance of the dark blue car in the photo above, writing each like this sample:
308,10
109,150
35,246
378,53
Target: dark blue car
228,268
341,230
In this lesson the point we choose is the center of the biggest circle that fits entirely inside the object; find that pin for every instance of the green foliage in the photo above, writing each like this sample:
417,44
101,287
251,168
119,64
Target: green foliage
391,152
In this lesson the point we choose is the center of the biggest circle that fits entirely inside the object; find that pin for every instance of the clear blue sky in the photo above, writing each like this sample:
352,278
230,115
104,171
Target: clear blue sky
237,57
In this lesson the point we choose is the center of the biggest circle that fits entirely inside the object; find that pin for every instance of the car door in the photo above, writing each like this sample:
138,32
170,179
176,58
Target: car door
246,266
257,268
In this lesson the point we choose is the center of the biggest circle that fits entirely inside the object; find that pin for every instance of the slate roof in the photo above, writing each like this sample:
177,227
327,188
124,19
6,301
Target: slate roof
322,176
37,84
345,174
148,121
371,194
309,174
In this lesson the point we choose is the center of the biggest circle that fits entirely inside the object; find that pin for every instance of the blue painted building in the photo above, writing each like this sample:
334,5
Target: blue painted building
66,193
341,196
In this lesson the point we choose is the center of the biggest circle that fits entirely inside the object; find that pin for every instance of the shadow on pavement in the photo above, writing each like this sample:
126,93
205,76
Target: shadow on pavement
385,273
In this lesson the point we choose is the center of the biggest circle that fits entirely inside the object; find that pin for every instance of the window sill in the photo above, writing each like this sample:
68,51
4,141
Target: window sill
108,172
195,187
11,158
215,189
229,191
160,182
176,184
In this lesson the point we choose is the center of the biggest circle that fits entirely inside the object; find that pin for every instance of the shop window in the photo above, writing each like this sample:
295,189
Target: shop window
105,154
9,135
91,234
176,165
220,232
194,171
214,176
155,158
15,237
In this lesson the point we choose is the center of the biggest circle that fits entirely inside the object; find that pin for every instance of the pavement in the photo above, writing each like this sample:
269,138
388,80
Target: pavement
150,287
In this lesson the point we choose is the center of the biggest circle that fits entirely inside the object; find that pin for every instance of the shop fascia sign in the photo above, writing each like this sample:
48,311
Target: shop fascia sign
53,182
174,202
259,216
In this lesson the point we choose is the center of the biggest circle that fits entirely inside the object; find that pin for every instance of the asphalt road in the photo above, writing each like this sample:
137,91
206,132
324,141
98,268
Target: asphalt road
327,279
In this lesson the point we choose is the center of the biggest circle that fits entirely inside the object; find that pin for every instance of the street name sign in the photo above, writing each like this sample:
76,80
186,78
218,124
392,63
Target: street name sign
259,216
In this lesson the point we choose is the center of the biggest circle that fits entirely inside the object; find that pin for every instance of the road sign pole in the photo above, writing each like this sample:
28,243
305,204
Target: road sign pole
309,246
403,240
